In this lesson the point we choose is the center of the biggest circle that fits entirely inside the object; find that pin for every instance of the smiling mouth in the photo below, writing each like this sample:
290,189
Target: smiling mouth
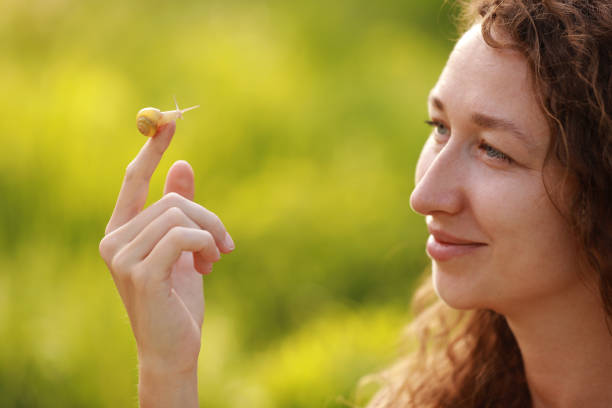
456,243
444,248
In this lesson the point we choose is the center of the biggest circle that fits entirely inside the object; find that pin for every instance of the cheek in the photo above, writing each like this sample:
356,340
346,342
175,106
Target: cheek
514,213
533,249
523,209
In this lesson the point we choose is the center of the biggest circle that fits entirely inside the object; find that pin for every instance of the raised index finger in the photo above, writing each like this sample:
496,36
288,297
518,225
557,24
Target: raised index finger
135,187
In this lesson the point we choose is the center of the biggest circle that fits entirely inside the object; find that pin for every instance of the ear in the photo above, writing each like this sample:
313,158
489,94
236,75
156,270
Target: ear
180,180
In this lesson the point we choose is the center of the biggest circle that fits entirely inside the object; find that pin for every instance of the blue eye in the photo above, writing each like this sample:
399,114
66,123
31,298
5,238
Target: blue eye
441,128
494,153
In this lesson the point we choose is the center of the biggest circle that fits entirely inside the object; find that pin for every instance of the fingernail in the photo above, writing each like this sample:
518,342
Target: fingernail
228,242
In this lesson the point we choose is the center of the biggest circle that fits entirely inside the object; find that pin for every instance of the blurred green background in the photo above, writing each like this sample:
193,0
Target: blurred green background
305,146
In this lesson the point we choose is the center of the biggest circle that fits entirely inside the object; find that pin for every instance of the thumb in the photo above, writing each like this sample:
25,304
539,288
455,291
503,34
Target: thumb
180,180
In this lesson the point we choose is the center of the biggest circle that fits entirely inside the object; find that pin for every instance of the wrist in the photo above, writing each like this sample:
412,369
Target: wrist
167,387
178,365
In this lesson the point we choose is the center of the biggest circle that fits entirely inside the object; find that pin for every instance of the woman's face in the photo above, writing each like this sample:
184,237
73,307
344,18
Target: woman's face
496,239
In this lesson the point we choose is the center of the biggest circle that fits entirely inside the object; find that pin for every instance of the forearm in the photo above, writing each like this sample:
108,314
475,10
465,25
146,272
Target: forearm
158,389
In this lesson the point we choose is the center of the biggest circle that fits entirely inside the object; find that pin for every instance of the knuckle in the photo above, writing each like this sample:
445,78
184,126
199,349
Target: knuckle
210,247
173,199
175,236
107,247
118,265
139,279
131,171
175,216
208,238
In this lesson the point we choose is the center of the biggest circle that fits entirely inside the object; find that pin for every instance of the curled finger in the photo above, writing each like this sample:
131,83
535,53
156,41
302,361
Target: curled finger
178,239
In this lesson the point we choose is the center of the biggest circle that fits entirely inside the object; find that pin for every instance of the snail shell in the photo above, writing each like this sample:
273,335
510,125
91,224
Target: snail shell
147,121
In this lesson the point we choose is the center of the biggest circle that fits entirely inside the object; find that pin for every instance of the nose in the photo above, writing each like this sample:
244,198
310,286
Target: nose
440,181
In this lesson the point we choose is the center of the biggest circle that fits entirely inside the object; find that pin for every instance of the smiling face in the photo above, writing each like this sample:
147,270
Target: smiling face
497,241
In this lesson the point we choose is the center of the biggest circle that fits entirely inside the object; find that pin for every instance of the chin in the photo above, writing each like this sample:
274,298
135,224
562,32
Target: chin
456,288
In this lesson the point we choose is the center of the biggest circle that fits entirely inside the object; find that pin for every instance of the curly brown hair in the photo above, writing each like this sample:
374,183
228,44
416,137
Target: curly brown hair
471,359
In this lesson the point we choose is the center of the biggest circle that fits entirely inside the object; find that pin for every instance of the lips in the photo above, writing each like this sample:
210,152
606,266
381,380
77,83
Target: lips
443,246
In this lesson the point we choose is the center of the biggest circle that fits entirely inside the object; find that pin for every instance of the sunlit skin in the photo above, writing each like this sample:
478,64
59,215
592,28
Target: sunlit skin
497,240
157,256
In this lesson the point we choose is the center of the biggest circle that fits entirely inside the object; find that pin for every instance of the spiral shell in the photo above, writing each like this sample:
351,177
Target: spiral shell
147,121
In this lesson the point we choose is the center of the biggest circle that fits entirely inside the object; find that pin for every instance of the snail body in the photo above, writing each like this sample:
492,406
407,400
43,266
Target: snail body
148,120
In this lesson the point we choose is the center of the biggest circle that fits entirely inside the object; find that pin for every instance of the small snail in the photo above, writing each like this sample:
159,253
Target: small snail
148,120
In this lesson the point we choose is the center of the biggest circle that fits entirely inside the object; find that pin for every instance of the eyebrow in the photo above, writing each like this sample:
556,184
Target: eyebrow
490,122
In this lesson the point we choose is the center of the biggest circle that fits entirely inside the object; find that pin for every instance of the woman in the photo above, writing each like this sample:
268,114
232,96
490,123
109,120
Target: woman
515,183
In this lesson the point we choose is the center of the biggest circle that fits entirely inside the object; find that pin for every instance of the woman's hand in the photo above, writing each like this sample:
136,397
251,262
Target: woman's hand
157,257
